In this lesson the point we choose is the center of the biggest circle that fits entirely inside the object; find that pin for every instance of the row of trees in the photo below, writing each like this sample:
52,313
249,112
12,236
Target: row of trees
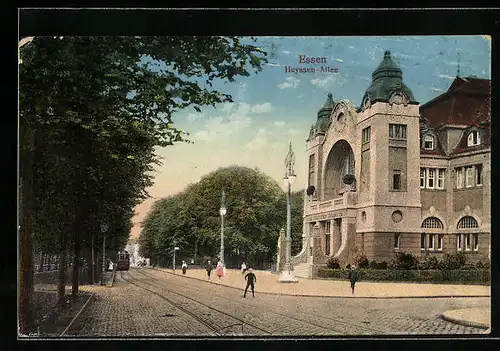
92,110
256,211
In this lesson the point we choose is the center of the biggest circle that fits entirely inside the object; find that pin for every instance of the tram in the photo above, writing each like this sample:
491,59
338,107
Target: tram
122,261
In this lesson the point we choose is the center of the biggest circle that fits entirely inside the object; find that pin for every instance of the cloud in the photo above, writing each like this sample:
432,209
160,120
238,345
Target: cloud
292,132
326,81
279,123
194,116
259,141
446,76
274,64
436,89
291,82
286,52
236,119
339,60
351,47
263,108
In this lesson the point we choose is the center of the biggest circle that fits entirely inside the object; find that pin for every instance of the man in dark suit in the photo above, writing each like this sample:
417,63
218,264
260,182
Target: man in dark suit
251,279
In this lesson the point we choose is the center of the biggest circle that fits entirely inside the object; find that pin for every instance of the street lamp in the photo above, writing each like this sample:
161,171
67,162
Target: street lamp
287,275
104,229
222,212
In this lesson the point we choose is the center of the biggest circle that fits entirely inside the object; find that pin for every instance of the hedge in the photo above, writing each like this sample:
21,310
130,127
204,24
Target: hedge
476,276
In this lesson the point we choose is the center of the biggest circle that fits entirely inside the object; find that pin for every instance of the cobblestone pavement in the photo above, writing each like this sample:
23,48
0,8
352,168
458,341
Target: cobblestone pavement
146,302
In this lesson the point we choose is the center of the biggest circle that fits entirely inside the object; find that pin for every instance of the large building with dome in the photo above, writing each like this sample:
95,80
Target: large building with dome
394,175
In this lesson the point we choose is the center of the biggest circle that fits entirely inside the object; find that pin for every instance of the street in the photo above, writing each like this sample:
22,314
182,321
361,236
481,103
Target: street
148,302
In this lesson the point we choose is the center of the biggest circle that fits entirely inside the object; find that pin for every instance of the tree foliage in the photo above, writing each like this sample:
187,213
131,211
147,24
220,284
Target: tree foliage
98,106
256,210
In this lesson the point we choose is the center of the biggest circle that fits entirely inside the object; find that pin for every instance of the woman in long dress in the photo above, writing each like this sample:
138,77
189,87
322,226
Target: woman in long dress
220,270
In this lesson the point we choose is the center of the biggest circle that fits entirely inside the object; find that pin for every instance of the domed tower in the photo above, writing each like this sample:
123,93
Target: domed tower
316,135
388,171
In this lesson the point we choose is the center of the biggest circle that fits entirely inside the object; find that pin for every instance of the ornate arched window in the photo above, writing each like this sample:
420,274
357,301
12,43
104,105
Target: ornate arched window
467,222
432,222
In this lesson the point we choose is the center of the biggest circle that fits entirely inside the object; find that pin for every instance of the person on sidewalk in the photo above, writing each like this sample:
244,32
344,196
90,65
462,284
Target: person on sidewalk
251,279
184,267
353,276
220,270
243,267
208,268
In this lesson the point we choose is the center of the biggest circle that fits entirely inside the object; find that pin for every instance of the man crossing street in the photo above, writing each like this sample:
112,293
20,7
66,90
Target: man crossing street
251,279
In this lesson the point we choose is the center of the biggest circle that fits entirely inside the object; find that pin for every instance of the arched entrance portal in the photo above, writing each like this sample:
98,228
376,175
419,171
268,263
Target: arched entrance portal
340,162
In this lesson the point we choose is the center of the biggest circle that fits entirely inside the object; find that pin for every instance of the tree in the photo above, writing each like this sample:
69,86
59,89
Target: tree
256,210
88,90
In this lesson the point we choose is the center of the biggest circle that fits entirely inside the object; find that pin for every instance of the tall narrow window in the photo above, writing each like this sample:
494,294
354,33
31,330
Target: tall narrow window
396,180
432,241
440,179
440,242
476,241
366,135
311,169
459,242
467,242
479,174
460,177
469,176
328,226
429,142
422,178
397,237
327,244
430,178
422,241
397,131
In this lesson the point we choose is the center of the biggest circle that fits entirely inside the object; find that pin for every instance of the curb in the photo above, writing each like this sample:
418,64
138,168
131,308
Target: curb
337,296
464,322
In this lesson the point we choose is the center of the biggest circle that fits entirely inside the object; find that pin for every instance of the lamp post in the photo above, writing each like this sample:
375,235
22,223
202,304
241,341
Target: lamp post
222,211
104,229
175,249
287,275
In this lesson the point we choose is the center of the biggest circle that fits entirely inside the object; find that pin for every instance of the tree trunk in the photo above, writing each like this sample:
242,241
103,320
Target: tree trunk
63,268
26,317
76,262
40,266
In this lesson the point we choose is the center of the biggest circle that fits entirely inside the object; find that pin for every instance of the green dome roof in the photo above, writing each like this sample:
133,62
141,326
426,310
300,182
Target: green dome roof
324,115
386,80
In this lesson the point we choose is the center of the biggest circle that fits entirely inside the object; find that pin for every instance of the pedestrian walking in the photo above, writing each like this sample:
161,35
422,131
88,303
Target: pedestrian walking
353,276
220,270
243,267
209,268
251,280
184,267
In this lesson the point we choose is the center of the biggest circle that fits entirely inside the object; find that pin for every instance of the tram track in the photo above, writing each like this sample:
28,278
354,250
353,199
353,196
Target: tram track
215,325
314,321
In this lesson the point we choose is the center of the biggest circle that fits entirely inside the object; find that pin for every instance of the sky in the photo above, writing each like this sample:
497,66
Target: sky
274,108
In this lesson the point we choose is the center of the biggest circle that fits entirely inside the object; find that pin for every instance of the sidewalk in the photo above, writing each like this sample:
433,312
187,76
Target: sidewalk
471,317
267,282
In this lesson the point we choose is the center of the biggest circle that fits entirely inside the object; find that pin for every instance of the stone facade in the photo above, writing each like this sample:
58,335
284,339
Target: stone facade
396,176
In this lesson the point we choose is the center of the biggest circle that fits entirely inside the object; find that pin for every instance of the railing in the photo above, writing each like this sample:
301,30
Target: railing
337,202
325,204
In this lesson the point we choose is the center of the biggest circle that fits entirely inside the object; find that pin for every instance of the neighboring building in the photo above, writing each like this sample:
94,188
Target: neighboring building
418,176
